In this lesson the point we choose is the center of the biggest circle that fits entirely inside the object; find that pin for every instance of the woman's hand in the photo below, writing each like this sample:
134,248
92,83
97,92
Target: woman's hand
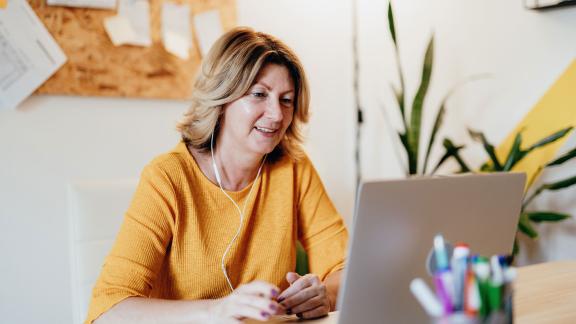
306,296
255,300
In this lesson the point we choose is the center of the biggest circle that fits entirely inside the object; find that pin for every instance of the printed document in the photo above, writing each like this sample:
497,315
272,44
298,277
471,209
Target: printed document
28,53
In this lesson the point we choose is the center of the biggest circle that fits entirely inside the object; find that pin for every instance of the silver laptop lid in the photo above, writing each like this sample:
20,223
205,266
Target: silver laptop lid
394,226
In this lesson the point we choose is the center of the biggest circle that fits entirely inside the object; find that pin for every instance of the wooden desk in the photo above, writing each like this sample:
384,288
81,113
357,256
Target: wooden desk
543,293
546,293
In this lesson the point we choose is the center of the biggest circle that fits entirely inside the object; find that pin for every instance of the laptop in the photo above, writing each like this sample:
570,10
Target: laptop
394,226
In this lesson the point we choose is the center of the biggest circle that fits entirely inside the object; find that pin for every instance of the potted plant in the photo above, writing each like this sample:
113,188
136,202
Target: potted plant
516,154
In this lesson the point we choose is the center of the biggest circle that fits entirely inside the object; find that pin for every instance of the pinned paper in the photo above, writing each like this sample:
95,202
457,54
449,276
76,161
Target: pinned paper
176,29
132,24
555,110
97,4
3,4
208,28
28,53
119,29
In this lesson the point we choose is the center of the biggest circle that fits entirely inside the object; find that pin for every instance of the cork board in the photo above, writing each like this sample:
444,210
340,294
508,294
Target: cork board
96,67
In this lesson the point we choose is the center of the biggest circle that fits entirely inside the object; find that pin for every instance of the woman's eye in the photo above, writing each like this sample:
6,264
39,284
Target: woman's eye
287,100
258,94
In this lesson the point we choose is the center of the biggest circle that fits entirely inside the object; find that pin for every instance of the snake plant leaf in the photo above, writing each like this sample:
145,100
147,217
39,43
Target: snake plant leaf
565,157
551,138
546,216
515,154
452,151
391,26
437,124
488,147
399,95
441,112
526,227
562,184
485,167
418,104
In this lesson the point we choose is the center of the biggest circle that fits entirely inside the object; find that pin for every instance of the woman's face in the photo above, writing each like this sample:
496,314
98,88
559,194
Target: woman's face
257,122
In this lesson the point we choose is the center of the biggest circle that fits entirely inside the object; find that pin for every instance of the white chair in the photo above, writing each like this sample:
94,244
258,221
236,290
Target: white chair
96,210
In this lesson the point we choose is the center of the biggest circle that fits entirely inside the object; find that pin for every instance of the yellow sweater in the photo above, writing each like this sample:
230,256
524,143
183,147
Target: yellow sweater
179,224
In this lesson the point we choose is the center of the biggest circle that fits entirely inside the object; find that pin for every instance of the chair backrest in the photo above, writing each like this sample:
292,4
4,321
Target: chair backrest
96,211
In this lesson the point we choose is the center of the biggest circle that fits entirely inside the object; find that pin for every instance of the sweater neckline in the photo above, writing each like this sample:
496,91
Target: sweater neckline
182,149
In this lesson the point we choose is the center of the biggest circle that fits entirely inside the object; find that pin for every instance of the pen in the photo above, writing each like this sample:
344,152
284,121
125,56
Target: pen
495,287
482,272
459,264
426,297
442,282
443,279
471,294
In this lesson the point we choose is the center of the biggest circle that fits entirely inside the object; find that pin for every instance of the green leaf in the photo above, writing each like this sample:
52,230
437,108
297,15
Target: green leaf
546,216
526,227
515,154
488,147
550,186
486,167
437,123
417,105
403,140
452,151
565,157
391,26
561,184
550,139
399,95
516,248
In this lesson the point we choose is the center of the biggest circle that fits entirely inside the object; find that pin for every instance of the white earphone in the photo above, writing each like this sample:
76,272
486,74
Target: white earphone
240,212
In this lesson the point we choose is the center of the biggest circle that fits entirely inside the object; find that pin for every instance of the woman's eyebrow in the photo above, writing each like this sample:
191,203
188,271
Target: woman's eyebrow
262,83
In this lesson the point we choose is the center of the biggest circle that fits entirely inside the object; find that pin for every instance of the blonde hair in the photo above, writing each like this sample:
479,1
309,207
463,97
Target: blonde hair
228,72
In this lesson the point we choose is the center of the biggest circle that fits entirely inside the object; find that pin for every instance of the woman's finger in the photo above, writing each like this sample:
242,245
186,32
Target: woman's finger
242,311
303,296
319,311
309,304
260,288
298,285
261,303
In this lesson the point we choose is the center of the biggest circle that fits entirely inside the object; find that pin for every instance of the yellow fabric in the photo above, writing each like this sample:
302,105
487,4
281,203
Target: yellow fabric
179,224
556,110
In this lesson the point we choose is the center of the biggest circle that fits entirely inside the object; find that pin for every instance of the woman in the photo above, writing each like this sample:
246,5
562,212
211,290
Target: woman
210,235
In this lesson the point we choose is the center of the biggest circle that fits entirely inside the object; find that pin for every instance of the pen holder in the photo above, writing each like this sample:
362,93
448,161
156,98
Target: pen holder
462,318
456,318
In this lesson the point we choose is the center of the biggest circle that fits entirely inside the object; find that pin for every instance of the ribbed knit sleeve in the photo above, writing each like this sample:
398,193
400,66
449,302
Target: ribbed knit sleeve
321,229
131,267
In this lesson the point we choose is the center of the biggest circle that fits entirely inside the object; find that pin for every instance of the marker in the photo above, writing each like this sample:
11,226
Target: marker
440,253
443,279
472,301
459,268
482,272
426,297
495,287
442,287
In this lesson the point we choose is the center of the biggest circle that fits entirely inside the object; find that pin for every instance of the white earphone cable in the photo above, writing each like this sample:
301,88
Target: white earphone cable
240,212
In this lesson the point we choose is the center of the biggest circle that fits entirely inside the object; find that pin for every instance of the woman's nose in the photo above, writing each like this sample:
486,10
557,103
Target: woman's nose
274,110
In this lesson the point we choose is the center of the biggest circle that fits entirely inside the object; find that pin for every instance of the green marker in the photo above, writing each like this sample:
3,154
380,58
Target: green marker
482,271
496,282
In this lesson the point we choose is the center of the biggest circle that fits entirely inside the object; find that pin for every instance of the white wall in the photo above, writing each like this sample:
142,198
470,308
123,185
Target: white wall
50,140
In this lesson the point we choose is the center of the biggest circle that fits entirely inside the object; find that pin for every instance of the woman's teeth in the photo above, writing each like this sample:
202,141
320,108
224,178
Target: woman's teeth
265,130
